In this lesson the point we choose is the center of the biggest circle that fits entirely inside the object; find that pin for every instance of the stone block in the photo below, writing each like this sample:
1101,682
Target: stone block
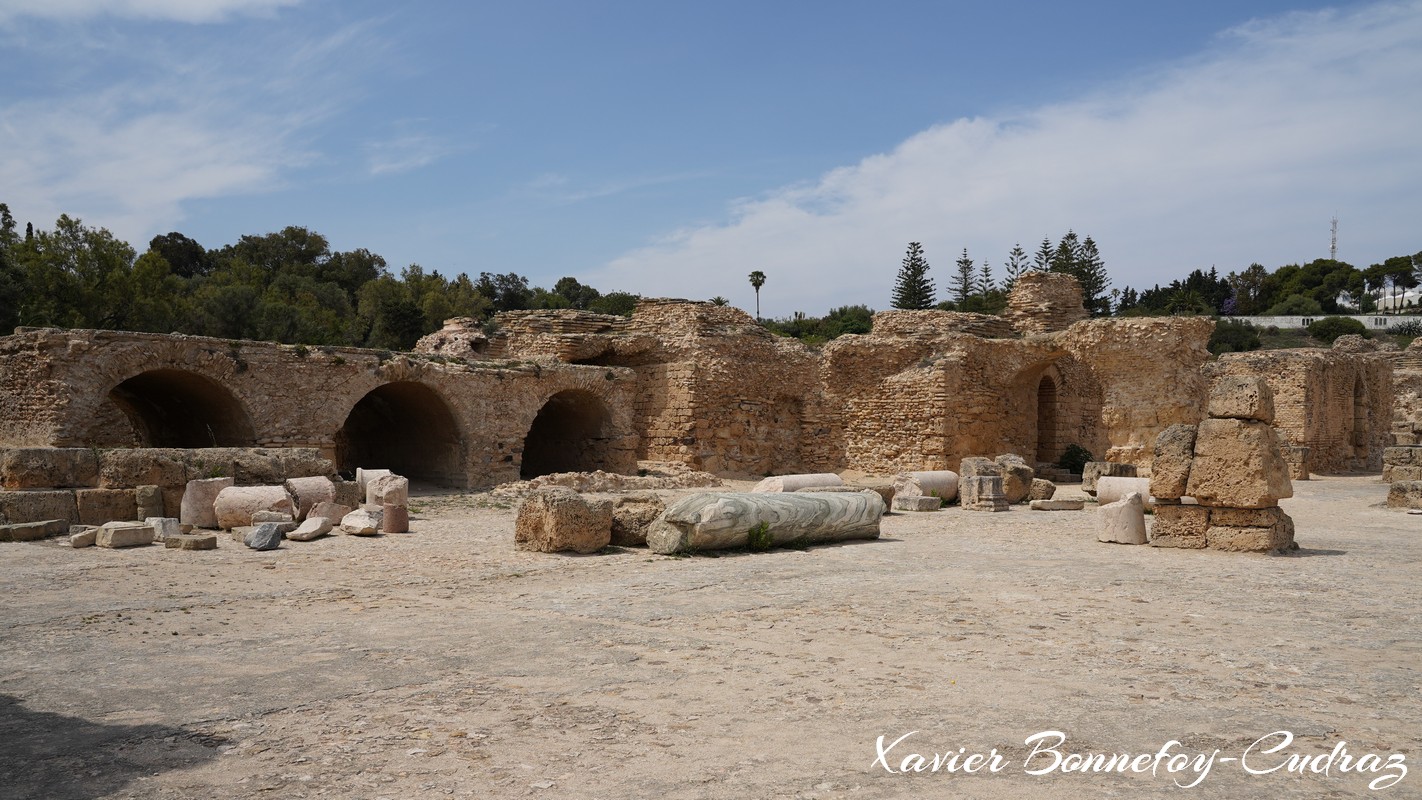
394,519
236,504
365,475
48,467
126,468
200,499
1017,477
98,506
313,527
1242,397
1297,459
1238,464
266,536
388,490
1110,488
556,520
1042,489
164,528
84,537
1093,471
33,531
1404,494
632,516
257,467
1247,540
309,491
1123,522
977,467
927,483
1248,517
191,541
150,501
791,483
124,534
297,461
38,506
349,494
258,517
982,493
1057,505
917,502
1402,456
331,511
361,523
1170,470
173,501
1179,526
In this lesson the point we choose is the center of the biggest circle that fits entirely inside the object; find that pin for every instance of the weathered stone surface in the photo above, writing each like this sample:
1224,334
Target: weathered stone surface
917,502
1110,488
1405,494
331,511
1042,489
308,491
126,468
1247,517
83,538
310,529
982,493
791,483
1249,540
258,517
632,516
928,483
558,520
1170,471
123,534
1017,477
236,504
164,528
388,490
394,519
191,541
1042,302
349,494
1297,459
721,520
97,506
257,467
33,531
1123,521
1242,397
266,536
48,467
1093,471
1238,464
884,490
1057,505
37,506
200,499
1181,526
149,500
364,476
361,523
976,467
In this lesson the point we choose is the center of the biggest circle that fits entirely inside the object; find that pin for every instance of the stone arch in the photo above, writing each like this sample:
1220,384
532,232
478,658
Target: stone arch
407,427
569,434
1049,444
177,408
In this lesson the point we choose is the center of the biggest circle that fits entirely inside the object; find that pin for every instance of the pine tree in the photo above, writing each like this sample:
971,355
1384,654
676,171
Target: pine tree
1042,261
985,282
913,289
964,283
1067,256
1016,266
1091,273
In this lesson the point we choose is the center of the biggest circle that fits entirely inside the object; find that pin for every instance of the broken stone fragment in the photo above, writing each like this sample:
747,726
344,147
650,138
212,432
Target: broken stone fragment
124,534
1238,464
982,493
191,541
199,497
307,492
1057,505
85,536
331,511
631,516
791,483
150,501
558,519
266,536
312,528
1123,522
1170,471
164,527
1241,397
361,522
364,476
392,490
917,502
927,483
1093,471
1110,488
1017,477
33,531
1042,489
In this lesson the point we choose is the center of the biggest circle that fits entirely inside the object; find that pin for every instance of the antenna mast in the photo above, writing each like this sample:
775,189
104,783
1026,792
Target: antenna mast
1333,241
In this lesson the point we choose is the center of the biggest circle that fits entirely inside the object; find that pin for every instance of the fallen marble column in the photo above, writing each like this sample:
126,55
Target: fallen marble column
1110,488
307,492
235,505
932,483
198,500
722,520
790,483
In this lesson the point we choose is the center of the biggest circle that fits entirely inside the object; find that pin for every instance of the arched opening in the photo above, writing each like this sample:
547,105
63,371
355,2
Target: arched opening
567,436
174,408
405,427
1048,446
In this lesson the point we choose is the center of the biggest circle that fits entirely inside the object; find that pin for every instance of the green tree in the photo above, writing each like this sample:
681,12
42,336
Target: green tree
757,280
1067,255
718,300
913,289
1091,274
12,287
1042,259
964,281
1016,266
186,258
1247,289
621,304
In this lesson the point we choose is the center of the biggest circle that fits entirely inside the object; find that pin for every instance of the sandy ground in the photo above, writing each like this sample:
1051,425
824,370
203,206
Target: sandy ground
443,663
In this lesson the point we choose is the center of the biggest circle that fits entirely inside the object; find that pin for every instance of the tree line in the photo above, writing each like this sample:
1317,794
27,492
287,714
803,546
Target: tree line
973,287
287,287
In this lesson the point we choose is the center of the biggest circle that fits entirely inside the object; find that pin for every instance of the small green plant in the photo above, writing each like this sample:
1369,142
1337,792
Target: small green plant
337,360
1074,458
758,538
1329,328
300,351
642,473
1411,328
1233,336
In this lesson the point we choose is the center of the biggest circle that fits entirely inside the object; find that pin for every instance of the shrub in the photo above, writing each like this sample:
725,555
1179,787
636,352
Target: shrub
758,538
1074,458
1411,328
1329,328
1234,336
1295,305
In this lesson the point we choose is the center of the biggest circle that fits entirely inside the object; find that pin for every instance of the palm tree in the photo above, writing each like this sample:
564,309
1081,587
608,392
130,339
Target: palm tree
718,300
757,280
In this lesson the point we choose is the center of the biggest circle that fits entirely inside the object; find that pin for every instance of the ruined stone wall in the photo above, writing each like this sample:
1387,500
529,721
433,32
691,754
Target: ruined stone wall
1338,404
1407,394
67,388
1043,302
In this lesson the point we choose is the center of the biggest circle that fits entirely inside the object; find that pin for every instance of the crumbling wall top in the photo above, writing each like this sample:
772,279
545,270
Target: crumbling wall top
933,324
1042,302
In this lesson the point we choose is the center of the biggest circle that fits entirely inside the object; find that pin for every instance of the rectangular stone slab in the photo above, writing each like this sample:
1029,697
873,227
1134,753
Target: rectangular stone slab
722,520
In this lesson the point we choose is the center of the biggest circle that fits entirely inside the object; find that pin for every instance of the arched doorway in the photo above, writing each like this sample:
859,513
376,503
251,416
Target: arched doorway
405,427
174,408
567,436
1048,444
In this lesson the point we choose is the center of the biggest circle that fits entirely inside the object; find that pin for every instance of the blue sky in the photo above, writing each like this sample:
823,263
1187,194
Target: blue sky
671,148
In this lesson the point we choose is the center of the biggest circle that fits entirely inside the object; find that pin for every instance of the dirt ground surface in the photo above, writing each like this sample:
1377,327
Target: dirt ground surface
444,663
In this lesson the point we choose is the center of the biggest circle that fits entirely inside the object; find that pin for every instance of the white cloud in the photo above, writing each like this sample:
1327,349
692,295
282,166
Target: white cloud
559,189
1241,154
194,11
407,151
